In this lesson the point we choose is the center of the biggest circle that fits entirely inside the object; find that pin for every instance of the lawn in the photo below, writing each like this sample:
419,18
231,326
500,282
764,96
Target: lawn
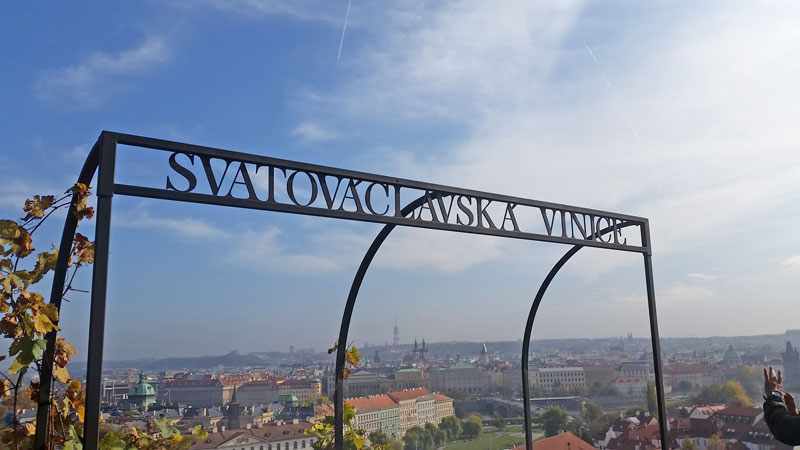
493,441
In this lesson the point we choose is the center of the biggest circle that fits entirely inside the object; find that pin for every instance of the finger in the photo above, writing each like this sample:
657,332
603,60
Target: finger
780,377
766,376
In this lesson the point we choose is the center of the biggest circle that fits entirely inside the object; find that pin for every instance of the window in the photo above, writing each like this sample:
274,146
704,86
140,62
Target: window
304,443
279,446
295,445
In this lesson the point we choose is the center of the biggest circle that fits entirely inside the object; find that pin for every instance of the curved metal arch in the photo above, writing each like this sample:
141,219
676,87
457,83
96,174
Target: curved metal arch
529,328
56,295
341,348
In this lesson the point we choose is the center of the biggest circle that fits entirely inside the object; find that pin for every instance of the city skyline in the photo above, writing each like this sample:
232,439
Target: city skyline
654,112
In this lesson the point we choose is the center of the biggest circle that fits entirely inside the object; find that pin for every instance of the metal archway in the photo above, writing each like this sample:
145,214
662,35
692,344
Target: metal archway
526,340
472,215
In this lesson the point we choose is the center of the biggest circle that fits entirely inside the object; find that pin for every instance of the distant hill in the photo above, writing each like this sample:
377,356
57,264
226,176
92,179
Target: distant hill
232,359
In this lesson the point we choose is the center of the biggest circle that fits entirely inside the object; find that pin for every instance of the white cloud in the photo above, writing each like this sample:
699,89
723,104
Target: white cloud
313,132
683,293
702,276
187,227
691,134
87,81
792,262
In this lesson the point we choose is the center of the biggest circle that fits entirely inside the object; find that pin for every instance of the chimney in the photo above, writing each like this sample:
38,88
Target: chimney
214,429
260,425
222,428
249,426
295,421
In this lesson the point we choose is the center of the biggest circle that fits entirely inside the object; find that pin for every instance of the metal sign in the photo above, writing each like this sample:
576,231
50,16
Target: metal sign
192,173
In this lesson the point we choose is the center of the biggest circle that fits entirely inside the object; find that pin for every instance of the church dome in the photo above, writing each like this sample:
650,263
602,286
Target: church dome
141,388
731,353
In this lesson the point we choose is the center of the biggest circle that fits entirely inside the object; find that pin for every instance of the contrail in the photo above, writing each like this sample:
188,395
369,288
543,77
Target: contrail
597,64
344,28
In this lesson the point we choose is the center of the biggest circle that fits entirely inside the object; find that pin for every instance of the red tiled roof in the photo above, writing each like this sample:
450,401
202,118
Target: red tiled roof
408,394
439,398
371,403
748,411
560,442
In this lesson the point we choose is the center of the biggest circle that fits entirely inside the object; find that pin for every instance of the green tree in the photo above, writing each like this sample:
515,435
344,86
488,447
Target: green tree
554,420
498,421
591,411
472,427
451,426
685,386
378,437
652,399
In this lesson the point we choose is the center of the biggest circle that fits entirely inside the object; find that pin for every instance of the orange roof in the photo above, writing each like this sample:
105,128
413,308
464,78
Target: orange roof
749,411
560,442
371,403
408,394
439,398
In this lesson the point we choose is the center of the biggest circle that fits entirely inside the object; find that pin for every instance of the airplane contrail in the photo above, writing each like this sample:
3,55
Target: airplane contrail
344,28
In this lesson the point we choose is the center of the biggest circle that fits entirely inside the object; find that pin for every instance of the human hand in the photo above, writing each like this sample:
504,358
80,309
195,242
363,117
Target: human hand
790,403
772,382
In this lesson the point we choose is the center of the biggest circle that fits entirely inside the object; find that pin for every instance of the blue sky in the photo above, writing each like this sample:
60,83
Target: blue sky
682,114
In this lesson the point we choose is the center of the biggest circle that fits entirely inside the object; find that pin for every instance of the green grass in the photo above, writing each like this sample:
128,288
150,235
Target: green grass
487,441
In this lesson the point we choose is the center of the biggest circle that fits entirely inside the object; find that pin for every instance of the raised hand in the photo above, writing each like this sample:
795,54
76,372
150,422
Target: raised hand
773,382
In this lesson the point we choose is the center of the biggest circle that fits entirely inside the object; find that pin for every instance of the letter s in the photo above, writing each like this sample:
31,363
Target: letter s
186,173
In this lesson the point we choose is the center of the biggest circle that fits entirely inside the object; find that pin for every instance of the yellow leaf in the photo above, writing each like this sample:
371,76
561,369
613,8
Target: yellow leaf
61,374
30,428
43,324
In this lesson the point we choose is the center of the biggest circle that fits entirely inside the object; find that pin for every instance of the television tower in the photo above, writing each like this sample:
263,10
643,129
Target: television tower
396,332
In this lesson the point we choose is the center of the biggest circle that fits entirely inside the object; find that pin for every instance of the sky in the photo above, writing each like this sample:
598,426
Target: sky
681,113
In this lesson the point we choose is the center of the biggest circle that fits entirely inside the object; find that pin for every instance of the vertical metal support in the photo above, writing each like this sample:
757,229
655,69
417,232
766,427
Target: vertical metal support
56,293
526,341
97,314
341,349
526,338
654,337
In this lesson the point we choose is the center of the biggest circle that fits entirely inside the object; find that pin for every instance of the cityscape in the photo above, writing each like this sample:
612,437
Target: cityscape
355,225
269,400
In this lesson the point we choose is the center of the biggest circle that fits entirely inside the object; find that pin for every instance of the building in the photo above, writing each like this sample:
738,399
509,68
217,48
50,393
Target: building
141,395
377,413
464,379
416,407
274,436
261,392
630,386
547,379
444,407
306,390
203,391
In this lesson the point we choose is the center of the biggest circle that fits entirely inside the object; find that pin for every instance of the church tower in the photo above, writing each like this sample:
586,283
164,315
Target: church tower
234,412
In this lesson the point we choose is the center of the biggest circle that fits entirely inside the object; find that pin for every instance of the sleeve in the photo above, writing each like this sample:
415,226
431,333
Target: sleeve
784,426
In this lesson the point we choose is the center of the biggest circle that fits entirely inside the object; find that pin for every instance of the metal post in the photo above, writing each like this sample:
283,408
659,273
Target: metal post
97,314
651,305
56,292
526,338
338,396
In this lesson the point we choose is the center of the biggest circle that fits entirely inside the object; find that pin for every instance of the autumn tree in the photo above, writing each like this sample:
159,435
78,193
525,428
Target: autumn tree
27,319
688,444
715,443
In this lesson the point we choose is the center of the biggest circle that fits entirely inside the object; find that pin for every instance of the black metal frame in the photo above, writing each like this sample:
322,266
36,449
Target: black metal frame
102,158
